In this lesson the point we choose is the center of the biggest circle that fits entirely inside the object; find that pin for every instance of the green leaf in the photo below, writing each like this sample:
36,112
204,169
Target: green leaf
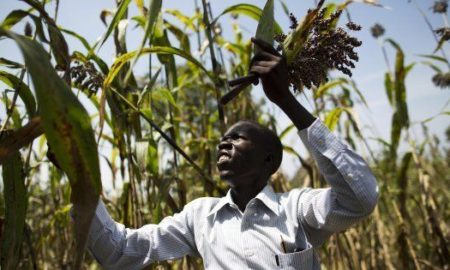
79,37
434,57
115,21
59,47
180,35
324,88
14,194
285,7
24,91
123,59
13,18
149,86
389,88
265,29
67,127
10,64
150,25
164,94
248,10
332,118
154,10
286,131
399,85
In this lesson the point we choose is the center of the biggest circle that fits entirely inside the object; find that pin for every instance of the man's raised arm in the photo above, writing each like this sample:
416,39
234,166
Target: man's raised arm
353,190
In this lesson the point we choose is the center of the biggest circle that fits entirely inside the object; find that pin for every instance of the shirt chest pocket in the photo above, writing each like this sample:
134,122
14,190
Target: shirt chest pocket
296,260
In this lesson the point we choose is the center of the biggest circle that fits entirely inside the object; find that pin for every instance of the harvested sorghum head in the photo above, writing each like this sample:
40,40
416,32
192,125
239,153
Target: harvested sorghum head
327,47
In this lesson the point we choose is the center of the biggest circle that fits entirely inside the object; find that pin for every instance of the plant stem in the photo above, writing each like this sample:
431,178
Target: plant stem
215,65
170,141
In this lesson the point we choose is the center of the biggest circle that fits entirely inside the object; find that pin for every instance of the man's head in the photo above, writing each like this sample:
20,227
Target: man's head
248,154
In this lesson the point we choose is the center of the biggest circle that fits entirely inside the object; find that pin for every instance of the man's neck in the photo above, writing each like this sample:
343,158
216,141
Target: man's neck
243,194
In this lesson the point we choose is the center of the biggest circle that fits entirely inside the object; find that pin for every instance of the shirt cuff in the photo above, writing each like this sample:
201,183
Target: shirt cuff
100,221
318,138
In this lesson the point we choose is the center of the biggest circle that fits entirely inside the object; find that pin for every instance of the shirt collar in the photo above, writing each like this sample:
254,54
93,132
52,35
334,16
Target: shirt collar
267,196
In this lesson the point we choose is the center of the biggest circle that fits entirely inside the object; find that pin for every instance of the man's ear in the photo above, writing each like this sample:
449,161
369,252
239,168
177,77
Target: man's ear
269,158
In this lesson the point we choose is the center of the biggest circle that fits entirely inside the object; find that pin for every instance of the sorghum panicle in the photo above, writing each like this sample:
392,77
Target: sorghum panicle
377,30
86,76
440,6
326,48
443,32
441,80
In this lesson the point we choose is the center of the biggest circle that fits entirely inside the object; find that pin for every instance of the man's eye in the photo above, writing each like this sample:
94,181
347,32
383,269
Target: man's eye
239,137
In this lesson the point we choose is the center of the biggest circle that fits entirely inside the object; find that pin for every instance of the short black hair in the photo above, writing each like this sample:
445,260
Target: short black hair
274,144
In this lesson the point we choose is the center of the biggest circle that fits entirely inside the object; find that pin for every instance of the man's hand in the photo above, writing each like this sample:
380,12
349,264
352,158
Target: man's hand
272,69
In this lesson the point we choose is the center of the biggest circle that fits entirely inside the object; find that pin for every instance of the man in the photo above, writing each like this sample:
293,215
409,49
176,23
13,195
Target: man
252,227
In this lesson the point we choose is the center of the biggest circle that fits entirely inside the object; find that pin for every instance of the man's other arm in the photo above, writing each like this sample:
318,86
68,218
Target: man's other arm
117,247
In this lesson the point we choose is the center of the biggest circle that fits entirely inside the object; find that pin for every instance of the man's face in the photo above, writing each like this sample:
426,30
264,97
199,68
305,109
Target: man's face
241,155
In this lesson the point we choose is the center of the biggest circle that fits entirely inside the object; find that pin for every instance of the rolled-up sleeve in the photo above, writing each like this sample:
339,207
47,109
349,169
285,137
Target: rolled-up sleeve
117,247
353,190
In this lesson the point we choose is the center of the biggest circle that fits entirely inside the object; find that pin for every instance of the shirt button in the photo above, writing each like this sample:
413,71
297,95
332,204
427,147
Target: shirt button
350,175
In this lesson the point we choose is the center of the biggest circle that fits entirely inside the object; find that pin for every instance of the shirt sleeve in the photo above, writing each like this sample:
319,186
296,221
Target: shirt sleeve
117,247
353,190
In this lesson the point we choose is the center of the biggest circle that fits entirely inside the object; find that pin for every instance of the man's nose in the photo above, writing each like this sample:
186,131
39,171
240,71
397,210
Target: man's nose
224,144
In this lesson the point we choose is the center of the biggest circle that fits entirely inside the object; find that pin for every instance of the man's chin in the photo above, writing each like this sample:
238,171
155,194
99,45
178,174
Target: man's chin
227,176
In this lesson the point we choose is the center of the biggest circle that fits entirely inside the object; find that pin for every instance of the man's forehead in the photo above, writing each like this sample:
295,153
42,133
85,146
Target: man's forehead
247,127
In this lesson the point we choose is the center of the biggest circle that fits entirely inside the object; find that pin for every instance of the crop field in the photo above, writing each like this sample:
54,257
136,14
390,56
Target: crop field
139,126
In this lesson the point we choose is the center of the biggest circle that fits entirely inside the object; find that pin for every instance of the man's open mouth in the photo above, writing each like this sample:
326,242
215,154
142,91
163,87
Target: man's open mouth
222,157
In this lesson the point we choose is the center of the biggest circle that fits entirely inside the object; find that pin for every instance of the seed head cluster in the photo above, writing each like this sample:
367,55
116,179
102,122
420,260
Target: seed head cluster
327,47
377,30
440,6
443,32
86,76
442,80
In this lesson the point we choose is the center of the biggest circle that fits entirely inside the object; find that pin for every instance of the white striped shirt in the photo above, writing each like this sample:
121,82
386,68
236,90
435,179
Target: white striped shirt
276,230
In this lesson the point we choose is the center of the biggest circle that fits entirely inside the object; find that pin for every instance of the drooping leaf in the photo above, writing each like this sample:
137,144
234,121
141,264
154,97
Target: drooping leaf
265,28
24,91
14,194
10,64
324,88
285,7
115,21
119,62
149,86
286,131
67,127
13,18
91,54
434,57
332,118
181,36
59,46
248,10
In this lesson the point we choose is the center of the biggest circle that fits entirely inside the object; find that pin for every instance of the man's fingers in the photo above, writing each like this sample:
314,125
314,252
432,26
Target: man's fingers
268,64
265,46
260,69
263,55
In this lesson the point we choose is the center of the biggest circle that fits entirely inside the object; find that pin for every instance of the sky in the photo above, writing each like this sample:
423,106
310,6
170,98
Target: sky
401,20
